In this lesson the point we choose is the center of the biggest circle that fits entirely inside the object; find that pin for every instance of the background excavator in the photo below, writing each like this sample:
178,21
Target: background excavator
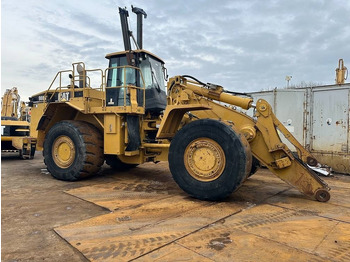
129,118
15,125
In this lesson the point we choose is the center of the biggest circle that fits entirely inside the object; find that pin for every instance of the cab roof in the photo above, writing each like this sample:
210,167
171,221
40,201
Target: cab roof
134,51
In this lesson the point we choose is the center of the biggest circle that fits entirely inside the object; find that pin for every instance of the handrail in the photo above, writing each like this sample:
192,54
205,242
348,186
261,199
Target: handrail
85,83
53,81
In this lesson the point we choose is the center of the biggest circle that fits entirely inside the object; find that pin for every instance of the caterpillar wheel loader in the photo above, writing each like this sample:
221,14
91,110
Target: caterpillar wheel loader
14,128
129,119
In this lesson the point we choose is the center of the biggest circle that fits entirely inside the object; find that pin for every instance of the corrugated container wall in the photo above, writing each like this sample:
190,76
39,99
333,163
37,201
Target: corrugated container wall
318,117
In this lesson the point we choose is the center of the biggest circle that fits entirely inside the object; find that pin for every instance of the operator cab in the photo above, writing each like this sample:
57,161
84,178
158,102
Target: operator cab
124,69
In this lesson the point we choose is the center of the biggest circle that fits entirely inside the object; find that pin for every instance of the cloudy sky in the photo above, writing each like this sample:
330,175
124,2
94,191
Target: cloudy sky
239,44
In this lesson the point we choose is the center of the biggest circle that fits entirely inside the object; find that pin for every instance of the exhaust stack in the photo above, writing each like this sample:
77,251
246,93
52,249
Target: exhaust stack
124,14
139,12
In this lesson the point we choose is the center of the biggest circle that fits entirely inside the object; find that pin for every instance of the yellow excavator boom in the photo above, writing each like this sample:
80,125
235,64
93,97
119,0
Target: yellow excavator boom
10,102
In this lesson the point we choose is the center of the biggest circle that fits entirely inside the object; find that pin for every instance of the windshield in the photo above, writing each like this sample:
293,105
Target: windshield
152,71
117,81
116,76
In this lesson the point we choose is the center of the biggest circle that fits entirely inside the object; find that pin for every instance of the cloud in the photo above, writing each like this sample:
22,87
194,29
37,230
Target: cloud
242,45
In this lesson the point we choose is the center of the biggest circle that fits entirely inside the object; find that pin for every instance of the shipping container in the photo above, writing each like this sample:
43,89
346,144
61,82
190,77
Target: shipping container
319,119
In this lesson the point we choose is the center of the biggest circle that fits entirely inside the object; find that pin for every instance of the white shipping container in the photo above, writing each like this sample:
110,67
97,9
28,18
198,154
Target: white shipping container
319,119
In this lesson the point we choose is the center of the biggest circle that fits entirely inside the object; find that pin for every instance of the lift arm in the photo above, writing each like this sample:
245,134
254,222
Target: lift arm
282,162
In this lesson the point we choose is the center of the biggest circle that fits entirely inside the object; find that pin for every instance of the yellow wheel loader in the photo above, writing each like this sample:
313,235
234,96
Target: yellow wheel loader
15,129
129,118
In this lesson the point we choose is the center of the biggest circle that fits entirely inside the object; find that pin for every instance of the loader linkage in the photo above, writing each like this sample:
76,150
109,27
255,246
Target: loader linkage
290,167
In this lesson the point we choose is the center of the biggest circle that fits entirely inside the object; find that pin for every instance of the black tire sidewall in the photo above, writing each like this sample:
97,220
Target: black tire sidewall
65,128
234,171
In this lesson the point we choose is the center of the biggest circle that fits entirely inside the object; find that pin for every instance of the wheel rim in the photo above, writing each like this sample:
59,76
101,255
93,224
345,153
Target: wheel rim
63,151
204,159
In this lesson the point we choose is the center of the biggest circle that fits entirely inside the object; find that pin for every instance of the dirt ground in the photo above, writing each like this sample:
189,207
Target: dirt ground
32,204
142,215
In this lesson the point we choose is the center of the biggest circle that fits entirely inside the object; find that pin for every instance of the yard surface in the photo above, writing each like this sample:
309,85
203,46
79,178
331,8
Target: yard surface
142,215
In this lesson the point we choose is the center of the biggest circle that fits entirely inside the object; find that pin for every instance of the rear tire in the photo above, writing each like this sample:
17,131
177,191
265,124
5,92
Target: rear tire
209,160
73,150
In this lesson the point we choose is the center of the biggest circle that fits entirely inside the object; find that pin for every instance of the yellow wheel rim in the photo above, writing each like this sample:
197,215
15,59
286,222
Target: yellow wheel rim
204,159
63,151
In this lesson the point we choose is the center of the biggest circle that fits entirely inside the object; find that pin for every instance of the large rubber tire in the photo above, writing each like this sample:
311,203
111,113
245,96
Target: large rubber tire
209,138
114,162
73,150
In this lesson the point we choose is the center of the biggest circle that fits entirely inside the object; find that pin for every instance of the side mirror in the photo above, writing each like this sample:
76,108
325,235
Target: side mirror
165,72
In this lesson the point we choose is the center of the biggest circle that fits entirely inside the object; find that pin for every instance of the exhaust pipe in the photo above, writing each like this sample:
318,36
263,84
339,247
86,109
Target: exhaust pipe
124,14
139,12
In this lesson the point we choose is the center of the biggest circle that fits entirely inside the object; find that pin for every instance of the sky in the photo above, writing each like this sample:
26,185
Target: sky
242,45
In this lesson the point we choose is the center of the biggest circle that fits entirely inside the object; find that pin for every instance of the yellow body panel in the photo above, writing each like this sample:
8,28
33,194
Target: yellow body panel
113,134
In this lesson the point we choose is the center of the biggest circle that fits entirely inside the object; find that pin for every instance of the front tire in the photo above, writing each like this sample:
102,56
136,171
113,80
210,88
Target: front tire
73,150
209,160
